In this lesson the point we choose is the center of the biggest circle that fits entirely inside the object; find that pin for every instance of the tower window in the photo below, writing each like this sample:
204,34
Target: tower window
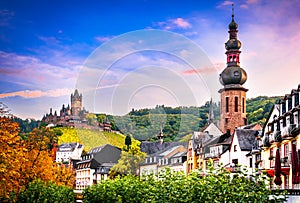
236,104
236,73
243,105
227,104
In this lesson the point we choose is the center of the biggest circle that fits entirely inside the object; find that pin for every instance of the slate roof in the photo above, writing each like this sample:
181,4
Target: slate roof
246,138
67,147
153,147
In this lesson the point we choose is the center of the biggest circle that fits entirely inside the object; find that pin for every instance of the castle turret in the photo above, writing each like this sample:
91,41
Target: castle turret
76,103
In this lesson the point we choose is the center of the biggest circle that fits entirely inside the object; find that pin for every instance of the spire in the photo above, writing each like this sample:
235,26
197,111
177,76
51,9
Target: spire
233,73
211,112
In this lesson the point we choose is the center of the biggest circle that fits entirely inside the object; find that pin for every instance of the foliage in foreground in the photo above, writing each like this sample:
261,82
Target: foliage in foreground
40,192
217,186
27,158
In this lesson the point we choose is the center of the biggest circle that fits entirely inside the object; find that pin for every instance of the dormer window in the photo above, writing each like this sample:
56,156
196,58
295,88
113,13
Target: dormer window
296,99
236,73
290,103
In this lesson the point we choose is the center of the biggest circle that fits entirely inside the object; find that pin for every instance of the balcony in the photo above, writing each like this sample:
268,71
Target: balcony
266,141
277,136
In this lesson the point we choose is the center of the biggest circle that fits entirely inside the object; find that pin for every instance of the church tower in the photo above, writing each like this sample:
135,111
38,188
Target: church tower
76,103
233,94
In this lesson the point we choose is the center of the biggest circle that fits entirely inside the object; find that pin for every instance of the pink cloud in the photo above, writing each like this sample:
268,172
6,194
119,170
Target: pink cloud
225,3
180,22
171,24
206,70
38,93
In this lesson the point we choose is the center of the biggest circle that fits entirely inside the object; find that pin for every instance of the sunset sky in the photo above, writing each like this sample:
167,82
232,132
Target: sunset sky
142,51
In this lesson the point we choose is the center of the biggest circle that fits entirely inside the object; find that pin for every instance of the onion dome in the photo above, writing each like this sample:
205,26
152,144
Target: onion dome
233,75
233,44
233,25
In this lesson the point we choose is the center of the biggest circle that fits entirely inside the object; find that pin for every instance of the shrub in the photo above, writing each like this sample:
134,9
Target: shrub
218,185
42,192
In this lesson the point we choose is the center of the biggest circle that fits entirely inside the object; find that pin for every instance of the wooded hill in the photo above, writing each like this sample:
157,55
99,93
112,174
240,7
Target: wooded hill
179,123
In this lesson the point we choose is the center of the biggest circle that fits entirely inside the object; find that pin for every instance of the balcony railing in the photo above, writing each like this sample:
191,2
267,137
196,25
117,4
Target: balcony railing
277,136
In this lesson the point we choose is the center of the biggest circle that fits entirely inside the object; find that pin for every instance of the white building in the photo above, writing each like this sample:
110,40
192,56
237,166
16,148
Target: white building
67,151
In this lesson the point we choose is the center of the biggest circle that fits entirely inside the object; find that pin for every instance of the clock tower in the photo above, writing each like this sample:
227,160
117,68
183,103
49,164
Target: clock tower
233,94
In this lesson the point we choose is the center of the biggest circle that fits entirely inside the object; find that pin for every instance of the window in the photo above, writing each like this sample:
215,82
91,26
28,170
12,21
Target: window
292,118
283,107
236,73
236,104
250,163
278,125
284,122
227,104
297,99
235,161
226,120
243,105
235,148
286,150
290,103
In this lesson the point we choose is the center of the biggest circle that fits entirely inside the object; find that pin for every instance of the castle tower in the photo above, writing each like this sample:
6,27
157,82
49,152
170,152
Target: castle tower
76,103
233,94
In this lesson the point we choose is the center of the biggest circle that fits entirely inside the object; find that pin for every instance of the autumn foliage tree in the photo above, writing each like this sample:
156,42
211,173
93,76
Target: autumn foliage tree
23,160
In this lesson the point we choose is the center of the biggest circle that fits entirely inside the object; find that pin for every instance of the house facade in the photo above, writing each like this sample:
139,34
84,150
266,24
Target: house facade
173,157
95,165
281,132
67,151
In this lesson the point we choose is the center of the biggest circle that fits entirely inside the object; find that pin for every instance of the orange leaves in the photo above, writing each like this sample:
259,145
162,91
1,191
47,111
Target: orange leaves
24,160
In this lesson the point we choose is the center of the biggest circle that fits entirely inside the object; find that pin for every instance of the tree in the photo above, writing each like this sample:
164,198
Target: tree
92,118
25,160
128,141
129,161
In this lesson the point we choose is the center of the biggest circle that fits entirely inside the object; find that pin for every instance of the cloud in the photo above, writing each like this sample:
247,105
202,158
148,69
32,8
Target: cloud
38,93
103,38
175,23
180,22
205,70
32,72
225,3
248,2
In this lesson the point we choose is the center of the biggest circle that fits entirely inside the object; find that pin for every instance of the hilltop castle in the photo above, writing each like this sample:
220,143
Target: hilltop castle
68,116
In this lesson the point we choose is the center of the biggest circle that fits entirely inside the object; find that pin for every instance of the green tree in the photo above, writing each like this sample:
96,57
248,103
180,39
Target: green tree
129,161
128,141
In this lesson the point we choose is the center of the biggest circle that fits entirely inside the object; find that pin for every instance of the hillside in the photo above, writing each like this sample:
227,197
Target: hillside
179,123
90,138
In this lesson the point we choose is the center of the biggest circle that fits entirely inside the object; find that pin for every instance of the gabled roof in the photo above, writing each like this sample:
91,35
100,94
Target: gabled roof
246,138
156,147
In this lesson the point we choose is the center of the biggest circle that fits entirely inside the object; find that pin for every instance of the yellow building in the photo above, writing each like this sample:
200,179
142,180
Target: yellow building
281,131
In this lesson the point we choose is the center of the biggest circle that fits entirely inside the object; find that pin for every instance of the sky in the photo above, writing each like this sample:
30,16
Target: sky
139,53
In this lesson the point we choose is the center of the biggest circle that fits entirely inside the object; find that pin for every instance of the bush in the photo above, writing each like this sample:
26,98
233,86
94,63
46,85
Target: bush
42,192
216,186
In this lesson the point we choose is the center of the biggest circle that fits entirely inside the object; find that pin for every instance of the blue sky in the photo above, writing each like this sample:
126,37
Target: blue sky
47,49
